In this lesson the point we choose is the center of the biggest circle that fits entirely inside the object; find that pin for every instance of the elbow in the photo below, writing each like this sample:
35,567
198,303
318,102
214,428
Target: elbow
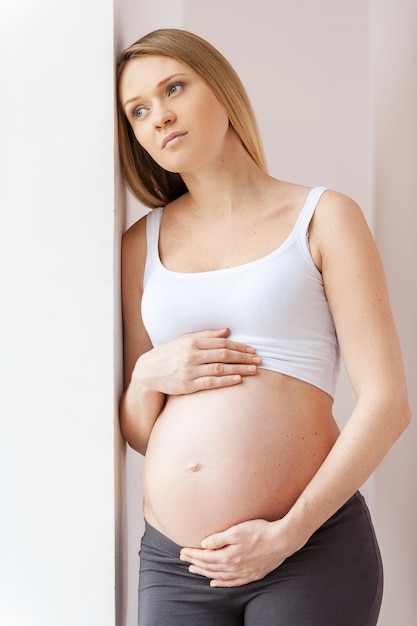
129,429
406,416
134,440
402,412
132,437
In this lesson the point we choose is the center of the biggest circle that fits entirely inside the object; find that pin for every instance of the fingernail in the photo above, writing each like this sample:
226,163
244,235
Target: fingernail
257,359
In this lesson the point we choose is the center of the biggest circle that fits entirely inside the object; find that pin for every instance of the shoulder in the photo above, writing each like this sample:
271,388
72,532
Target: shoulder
338,228
336,209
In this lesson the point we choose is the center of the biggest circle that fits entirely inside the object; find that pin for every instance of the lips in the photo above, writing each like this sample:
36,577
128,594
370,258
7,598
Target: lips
172,137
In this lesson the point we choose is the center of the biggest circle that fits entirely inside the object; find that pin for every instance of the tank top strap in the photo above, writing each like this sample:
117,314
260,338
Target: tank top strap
308,209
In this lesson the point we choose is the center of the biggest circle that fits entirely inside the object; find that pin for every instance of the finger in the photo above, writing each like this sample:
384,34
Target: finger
218,575
221,576
214,382
201,558
208,340
227,369
226,346
219,540
226,355
219,333
216,332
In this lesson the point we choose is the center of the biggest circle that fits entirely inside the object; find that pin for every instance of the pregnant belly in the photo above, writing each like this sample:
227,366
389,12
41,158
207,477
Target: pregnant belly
219,457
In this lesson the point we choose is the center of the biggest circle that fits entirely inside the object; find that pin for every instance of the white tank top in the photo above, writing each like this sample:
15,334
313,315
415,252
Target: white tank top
276,304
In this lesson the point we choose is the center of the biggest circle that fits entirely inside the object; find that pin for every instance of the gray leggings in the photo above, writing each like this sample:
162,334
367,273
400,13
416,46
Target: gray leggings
334,580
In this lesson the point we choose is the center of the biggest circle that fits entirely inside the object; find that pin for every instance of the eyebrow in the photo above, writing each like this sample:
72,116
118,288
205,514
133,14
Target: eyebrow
160,84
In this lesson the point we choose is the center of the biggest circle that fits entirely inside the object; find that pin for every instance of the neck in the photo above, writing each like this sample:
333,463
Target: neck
227,185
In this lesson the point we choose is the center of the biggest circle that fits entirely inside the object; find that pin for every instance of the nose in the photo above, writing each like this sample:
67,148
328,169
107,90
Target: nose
163,116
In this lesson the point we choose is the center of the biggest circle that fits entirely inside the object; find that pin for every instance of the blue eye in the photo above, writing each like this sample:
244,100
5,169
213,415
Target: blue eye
139,112
175,88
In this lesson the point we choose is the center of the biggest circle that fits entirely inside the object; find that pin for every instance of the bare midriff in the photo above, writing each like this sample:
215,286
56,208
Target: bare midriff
219,457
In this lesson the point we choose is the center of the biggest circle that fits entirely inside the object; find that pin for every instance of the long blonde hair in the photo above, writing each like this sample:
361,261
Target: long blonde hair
150,183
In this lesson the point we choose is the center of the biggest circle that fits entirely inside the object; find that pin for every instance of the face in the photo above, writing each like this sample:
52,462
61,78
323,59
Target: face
173,113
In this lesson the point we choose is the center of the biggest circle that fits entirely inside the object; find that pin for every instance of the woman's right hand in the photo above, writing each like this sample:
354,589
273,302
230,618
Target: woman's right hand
194,362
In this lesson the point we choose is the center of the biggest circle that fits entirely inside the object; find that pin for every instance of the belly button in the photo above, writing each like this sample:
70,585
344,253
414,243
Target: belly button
194,467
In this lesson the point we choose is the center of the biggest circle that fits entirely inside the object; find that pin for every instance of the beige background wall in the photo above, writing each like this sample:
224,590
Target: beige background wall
394,63
334,87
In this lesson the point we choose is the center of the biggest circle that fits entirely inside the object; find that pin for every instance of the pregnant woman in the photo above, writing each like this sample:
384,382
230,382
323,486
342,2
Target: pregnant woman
239,293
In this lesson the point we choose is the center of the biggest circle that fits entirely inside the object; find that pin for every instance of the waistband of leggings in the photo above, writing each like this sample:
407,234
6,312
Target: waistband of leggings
154,537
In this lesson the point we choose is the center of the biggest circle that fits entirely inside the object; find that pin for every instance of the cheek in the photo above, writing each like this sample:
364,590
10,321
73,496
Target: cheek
216,118
142,139
217,126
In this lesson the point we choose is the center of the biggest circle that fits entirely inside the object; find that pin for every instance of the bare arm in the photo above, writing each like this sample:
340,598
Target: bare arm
344,250
357,293
202,360
139,408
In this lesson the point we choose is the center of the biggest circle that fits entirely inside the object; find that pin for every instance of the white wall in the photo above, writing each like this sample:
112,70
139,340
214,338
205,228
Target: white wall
56,313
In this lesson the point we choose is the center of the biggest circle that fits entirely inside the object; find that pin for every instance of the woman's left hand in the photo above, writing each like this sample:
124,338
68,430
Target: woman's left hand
242,554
